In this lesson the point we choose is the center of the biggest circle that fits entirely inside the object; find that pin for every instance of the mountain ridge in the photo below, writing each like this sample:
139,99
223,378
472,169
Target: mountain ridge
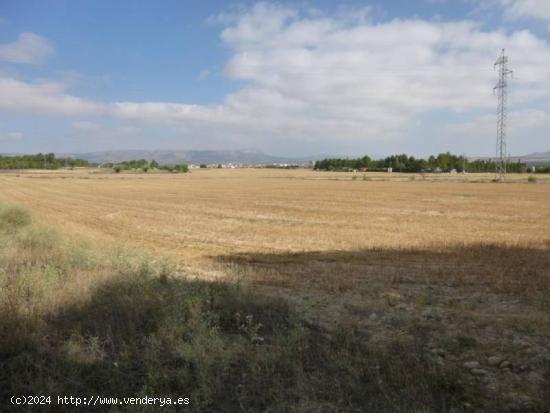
166,156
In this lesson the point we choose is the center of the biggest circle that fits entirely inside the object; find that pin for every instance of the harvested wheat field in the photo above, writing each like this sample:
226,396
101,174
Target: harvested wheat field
453,270
212,213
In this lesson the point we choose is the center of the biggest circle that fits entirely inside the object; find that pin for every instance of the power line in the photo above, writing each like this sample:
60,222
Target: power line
502,90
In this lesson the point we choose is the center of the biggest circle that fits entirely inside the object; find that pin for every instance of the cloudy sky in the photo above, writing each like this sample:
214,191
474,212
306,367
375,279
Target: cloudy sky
288,78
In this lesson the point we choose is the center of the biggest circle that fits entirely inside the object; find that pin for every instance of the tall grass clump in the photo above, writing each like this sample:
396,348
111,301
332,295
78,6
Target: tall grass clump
79,319
13,218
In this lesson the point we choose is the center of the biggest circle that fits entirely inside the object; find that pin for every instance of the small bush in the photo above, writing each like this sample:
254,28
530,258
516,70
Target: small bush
182,168
117,169
13,218
38,238
532,179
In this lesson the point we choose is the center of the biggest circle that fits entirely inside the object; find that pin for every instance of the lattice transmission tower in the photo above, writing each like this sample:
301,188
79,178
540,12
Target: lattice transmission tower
502,89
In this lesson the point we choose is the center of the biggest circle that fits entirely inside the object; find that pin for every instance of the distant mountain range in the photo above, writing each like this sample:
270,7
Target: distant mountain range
532,159
536,159
246,157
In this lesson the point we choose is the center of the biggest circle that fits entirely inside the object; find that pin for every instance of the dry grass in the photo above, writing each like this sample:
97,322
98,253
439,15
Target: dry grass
456,264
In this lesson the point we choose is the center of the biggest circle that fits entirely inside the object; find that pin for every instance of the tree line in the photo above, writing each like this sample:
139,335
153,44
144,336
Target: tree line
50,161
39,161
443,162
145,165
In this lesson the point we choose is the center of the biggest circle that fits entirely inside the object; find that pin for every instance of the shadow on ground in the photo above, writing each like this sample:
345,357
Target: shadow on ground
224,347
498,268
471,302
231,348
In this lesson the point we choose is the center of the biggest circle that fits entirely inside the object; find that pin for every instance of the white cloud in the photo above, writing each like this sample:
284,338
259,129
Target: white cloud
537,9
328,77
332,77
88,130
313,77
29,48
48,98
518,122
527,132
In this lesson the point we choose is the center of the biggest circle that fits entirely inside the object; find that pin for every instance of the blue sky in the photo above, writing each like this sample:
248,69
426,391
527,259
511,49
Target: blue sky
288,78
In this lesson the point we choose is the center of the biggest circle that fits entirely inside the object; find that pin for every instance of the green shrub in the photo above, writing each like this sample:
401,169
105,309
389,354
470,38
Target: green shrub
182,167
532,179
13,218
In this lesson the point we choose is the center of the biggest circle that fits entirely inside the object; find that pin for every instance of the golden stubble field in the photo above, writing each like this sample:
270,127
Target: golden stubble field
458,260
214,212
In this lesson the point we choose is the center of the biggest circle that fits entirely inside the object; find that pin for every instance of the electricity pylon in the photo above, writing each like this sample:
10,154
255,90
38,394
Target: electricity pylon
501,89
